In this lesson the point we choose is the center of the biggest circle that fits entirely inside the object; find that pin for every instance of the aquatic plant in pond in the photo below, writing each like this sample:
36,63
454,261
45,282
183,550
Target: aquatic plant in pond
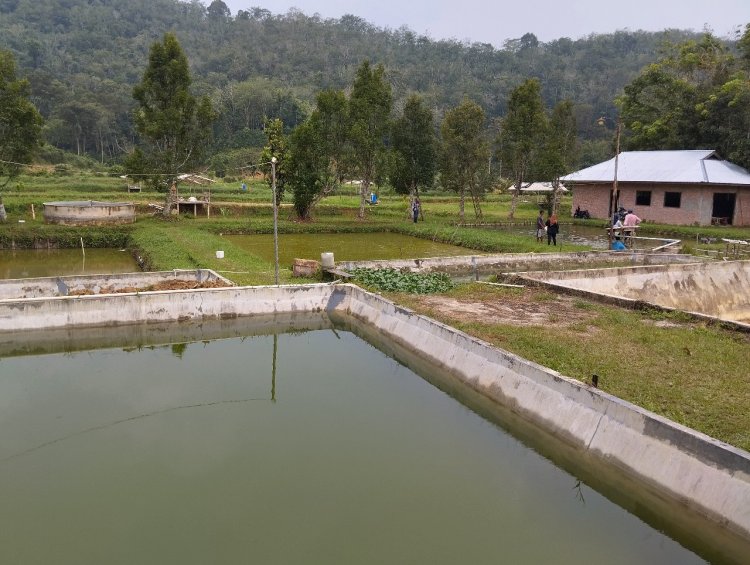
391,280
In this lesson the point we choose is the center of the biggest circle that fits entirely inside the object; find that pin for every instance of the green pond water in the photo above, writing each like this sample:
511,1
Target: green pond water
303,447
346,246
27,263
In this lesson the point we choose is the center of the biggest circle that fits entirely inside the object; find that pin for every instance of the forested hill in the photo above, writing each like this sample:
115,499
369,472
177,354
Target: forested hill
83,57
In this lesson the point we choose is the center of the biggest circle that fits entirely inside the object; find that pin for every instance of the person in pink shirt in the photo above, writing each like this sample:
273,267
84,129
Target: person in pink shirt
631,220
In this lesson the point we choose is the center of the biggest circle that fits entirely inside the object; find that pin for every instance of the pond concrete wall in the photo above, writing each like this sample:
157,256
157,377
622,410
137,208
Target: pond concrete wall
486,265
705,479
89,212
48,287
718,289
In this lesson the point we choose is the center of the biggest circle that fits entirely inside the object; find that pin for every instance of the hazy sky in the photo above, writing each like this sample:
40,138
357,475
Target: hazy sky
494,22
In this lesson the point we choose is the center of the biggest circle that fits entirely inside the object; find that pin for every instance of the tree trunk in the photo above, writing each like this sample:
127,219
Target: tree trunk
171,200
514,200
461,204
555,194
363,189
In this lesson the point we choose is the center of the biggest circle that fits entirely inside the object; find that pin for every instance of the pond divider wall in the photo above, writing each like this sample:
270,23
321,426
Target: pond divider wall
674,463
492,264
102,284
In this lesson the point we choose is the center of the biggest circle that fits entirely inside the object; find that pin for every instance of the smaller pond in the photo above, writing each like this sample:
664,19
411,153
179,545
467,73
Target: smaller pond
346,246
28,263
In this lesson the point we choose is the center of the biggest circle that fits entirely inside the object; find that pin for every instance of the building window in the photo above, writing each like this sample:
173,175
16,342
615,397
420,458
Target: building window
643,198
672,199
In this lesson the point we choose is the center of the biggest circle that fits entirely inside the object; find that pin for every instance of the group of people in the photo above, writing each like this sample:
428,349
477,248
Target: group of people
625,219
621,221
550,228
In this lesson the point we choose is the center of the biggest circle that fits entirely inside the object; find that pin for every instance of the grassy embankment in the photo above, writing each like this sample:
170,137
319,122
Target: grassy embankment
689,372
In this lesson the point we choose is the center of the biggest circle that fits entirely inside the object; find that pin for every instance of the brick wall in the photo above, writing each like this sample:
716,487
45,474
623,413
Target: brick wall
696,203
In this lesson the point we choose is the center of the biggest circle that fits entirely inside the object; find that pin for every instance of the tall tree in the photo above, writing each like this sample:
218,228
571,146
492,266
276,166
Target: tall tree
560,151
317,150
20,122
521,136
276,146
174,124
415,148
464,152
369,115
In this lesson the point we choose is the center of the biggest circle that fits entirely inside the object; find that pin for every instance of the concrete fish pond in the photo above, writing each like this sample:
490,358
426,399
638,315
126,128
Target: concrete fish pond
716,290
31,263
680,481
89,213
217,441
80,285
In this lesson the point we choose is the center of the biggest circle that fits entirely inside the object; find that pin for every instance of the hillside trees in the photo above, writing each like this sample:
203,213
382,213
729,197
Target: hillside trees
20,122
174,125
695,97
89,49
243,107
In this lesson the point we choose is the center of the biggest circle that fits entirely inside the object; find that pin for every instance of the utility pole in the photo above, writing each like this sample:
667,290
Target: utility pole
275,222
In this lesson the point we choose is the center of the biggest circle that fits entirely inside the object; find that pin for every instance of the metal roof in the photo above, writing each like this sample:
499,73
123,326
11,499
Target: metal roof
697,166
542,187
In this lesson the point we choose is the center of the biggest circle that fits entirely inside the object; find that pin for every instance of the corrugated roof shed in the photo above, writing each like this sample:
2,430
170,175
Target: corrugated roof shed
699,166
541,187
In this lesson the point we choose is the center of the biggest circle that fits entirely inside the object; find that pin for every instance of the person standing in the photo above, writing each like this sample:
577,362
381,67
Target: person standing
539,227
552,228
631,220
415,209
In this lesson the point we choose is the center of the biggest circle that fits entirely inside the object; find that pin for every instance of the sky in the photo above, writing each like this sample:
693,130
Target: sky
488,21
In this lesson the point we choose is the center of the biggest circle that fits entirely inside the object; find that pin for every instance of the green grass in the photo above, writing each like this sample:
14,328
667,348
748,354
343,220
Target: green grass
690,372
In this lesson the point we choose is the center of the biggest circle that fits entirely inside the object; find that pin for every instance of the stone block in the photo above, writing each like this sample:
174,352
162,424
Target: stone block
305,268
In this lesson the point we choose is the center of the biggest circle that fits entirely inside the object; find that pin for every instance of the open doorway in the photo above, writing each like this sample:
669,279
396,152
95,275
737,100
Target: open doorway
723,211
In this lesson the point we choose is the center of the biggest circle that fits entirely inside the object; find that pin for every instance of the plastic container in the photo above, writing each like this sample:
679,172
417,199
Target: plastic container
326,259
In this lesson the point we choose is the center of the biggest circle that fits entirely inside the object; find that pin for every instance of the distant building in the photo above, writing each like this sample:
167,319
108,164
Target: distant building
541,188
668,187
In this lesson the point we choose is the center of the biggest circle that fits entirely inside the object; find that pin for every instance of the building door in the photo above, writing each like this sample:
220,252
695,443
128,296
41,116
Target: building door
723,208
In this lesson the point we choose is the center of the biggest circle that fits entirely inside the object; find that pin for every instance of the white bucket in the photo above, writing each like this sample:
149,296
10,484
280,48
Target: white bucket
219,254
326,259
